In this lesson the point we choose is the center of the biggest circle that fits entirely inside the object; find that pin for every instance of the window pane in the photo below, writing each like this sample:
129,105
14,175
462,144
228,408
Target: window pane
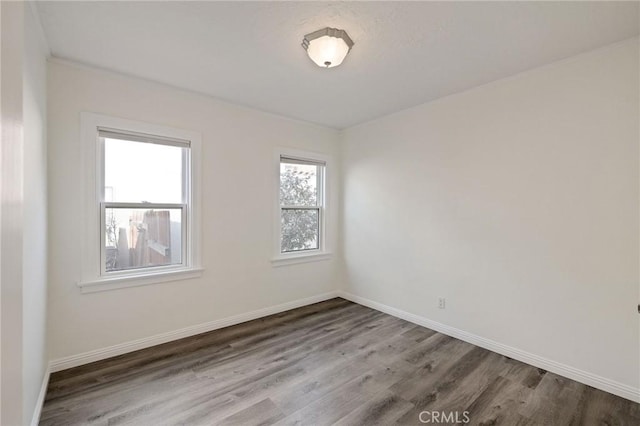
136,172
300,230
141,238
299,184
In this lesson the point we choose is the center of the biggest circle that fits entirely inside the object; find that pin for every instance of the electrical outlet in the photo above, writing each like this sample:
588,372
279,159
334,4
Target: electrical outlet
441,302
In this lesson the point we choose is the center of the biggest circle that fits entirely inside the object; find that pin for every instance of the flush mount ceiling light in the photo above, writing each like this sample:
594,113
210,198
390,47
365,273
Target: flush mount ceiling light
327,47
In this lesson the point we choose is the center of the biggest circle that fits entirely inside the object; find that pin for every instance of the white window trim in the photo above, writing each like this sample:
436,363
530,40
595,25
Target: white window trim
324,250
92,279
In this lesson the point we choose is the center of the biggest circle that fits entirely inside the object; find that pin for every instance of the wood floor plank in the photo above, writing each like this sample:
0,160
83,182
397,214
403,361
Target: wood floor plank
333,362
443,393
383,408
499,403
286,323
553,401
600,408
345,399
153,373
274,371
418,333
436,359
263,413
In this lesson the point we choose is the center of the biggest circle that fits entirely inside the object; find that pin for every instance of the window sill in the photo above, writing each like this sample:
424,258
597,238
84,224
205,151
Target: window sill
113,283
293,259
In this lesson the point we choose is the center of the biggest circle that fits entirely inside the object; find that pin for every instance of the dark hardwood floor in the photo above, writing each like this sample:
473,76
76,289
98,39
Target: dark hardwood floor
334,362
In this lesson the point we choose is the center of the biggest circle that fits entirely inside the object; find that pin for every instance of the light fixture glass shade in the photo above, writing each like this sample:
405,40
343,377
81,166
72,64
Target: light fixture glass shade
327,47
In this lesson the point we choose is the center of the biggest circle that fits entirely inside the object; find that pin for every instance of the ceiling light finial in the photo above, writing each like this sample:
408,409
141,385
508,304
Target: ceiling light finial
327,47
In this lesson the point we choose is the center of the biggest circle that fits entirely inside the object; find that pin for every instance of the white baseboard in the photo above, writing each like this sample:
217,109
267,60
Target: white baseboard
599,382
146,342
35,419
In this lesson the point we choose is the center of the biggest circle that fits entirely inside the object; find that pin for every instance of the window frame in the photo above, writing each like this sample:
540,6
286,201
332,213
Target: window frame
94,276
184,206
309,255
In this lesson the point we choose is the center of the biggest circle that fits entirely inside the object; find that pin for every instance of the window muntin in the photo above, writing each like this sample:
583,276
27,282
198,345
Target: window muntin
144,202
301,204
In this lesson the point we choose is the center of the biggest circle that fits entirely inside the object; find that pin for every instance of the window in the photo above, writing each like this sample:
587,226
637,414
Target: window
141,215
145,201
301,206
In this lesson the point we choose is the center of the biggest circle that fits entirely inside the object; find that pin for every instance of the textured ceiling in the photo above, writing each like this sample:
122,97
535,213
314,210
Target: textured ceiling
405,53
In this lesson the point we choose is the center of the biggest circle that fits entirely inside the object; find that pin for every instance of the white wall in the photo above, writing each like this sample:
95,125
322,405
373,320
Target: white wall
34,260
237,199
518,202
11,207
24,214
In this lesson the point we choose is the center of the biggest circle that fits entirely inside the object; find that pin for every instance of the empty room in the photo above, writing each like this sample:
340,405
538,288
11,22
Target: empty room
319,213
